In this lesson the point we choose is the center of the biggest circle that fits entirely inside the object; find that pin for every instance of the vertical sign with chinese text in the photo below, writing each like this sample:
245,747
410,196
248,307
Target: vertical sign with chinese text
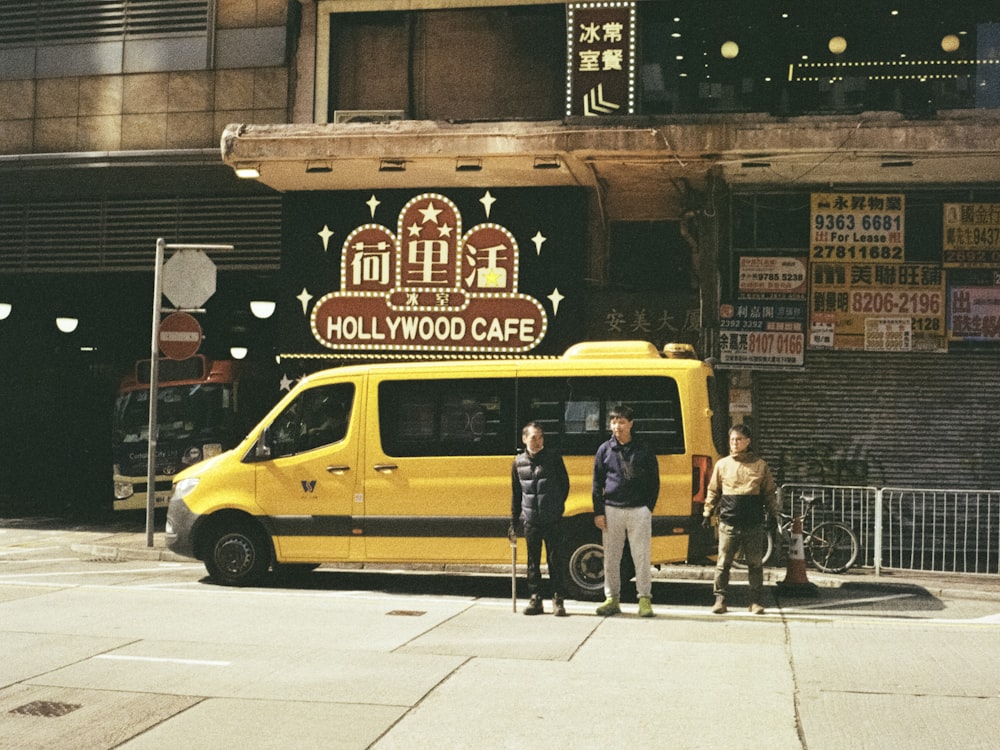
600,59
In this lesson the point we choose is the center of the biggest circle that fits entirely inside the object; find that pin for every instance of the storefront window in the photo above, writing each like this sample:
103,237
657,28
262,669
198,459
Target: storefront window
818,57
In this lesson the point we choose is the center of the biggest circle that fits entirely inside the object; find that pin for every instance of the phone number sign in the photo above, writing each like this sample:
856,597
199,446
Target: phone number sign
857,227
971,235
860,306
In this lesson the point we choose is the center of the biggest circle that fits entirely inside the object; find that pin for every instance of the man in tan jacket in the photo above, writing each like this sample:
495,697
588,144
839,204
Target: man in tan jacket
745,493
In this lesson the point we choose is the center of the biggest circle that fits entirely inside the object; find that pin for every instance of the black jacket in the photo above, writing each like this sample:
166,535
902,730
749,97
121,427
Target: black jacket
539,486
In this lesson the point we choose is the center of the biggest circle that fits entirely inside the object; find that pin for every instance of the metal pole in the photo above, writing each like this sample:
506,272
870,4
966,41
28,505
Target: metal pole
154,379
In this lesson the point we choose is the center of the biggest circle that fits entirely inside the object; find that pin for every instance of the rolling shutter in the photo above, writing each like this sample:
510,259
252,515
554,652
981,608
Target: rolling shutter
878,419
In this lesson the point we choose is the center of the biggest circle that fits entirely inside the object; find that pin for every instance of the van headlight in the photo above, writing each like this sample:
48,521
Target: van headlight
184,487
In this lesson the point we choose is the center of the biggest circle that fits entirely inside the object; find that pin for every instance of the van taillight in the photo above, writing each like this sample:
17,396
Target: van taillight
701,471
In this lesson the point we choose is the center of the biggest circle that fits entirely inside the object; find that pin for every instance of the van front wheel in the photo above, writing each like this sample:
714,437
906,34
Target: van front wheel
238,555
584,572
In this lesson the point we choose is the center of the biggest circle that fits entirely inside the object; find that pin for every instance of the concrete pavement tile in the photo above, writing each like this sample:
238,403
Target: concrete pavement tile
834,720
238,671
42,717
271,725
26,655
499,632
635,702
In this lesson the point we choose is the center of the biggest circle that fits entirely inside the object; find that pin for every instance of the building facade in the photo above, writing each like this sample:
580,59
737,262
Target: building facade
809,195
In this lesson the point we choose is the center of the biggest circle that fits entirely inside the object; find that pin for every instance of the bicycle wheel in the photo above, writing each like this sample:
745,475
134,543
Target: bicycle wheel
740,561
832,547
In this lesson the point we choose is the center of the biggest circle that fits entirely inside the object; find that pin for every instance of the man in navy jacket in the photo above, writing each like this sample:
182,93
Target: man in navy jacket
626,486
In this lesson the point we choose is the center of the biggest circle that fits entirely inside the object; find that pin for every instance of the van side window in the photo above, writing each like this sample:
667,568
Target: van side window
318,417
455,417
574,411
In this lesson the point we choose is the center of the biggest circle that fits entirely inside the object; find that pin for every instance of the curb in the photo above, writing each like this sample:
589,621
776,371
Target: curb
679,573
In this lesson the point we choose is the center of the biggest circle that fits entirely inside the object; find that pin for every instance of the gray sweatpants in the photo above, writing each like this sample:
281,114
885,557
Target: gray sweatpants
636,525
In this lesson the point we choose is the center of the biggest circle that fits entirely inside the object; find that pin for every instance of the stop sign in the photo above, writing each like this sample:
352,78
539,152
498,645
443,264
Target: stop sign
180,336
189,278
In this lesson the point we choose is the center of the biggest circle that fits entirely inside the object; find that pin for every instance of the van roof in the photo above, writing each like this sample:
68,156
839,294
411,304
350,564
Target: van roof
602,351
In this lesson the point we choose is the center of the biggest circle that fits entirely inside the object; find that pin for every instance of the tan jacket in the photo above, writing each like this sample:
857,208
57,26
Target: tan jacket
743,474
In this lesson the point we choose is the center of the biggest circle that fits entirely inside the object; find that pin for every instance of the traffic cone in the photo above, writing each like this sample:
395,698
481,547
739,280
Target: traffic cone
796,581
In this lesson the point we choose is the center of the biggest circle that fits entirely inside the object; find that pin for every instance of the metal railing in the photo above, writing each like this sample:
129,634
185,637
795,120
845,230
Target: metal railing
901,528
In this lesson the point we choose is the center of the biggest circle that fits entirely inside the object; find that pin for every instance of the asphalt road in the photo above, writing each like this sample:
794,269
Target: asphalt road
103,649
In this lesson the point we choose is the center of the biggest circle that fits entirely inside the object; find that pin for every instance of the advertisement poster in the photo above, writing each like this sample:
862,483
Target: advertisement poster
762,334
765,328
971,235
974,313
860,306
857,227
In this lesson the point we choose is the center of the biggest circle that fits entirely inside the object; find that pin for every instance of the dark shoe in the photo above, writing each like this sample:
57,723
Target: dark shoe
534,606
558,609
719,607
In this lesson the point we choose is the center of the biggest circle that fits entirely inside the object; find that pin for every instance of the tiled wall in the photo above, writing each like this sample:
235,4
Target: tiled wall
183,109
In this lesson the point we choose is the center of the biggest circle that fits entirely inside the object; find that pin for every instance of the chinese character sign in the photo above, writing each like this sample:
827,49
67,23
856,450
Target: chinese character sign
877,306
853,227
971,235
469,272
600,59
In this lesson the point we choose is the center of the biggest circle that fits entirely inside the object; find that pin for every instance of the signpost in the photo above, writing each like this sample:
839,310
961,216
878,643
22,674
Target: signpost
186,284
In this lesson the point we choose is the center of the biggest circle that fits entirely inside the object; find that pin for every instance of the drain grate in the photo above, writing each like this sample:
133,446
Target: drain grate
46,709
406,613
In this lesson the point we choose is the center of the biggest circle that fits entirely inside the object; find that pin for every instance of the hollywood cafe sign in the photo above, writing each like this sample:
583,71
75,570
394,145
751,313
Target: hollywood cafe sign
429,285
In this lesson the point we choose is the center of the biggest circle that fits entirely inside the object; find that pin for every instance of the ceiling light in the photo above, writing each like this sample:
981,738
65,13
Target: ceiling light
248,171
238,352
67,324
5,309
262,308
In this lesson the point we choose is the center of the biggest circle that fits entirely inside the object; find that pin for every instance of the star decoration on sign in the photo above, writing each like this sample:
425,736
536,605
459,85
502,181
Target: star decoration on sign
373,203
538,239
304,297
286,383
430,213
555,298
325,234
487,200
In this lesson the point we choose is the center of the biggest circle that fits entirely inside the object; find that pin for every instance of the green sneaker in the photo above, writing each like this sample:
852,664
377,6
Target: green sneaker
610,607
645,607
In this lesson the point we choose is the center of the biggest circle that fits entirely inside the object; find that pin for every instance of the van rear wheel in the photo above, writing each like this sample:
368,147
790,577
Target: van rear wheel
584,572
238,555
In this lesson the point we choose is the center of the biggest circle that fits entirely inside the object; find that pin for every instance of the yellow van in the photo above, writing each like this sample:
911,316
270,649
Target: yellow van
411,463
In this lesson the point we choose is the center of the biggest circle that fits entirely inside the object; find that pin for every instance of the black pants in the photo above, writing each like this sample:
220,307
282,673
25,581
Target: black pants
551,535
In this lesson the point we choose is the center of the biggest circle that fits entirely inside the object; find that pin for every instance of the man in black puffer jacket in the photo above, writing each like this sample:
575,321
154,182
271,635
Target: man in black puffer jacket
539,486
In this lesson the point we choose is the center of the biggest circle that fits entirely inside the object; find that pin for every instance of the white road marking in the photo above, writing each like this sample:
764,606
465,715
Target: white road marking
165,660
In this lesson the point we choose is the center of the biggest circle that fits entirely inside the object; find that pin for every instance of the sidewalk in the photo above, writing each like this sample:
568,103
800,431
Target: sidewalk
129,545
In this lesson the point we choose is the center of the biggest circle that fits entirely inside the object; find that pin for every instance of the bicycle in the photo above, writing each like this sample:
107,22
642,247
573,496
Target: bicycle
831,546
